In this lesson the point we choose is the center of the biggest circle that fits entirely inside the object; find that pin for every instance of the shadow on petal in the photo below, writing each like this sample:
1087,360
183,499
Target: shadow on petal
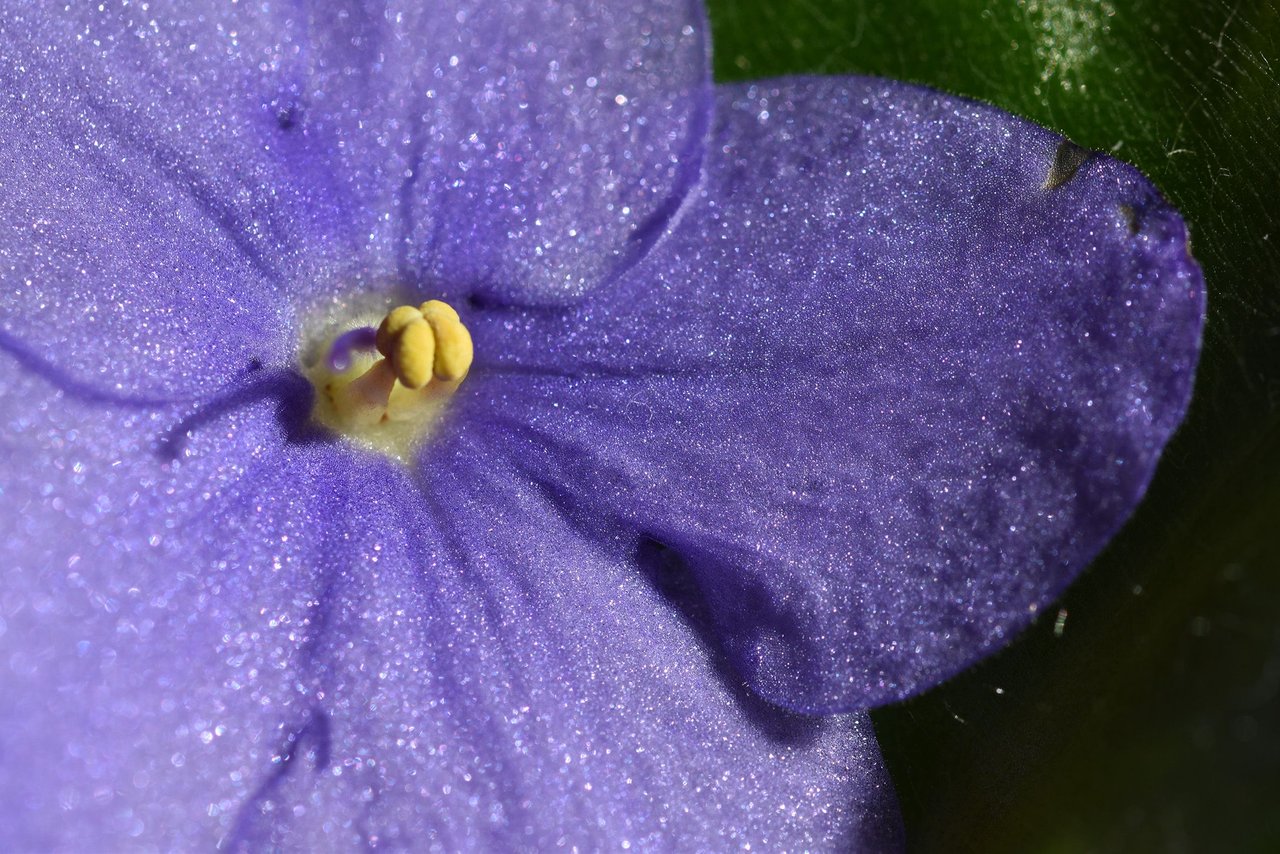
668,572
72,386
293,396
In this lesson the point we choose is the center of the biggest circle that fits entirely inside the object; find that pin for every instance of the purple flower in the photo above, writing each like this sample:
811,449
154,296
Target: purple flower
788,400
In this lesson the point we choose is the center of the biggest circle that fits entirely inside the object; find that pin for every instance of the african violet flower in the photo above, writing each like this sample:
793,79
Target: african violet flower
788,398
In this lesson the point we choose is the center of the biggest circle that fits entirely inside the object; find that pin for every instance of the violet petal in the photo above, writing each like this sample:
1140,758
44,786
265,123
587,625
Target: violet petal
888,386
558,139
275,643
163,226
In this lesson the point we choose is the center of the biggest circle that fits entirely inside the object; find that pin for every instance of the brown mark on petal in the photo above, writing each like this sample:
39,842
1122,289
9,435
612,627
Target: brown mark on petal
1067,160
1130,217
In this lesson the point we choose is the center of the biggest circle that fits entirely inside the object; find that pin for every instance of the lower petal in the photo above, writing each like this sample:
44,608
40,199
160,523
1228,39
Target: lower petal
274,642
497,678
154,616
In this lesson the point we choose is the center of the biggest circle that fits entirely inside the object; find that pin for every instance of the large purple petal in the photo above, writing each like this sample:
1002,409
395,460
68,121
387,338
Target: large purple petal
889,385
153,618
531,150
268,642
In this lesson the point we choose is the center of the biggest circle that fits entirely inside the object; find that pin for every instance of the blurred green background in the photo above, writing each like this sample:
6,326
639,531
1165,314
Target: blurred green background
1144,714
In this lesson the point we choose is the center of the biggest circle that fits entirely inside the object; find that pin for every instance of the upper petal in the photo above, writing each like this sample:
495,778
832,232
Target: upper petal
553,141
159,217
191,177
276,644
896,378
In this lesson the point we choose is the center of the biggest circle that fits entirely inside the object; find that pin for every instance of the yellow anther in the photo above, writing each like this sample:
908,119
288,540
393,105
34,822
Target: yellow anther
453,342
414,354
435,308
425,342
393,324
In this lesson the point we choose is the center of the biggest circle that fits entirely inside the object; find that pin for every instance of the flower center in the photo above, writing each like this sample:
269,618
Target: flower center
386,388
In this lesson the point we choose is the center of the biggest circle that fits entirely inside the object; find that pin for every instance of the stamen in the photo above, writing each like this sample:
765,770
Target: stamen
407,341
453,342
391,403
426,341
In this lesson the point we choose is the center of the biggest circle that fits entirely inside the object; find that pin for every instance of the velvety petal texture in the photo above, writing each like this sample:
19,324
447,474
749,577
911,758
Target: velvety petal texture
557,140
153,205
273,642
902,369
200,177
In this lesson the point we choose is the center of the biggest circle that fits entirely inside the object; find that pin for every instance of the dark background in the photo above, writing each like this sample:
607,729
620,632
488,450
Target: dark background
1145,714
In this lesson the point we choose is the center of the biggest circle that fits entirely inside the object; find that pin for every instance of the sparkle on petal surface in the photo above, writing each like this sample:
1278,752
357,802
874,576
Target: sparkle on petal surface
788,398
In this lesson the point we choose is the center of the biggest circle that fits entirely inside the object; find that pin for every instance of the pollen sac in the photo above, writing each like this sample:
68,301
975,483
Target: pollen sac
390,396
425,342
453,342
